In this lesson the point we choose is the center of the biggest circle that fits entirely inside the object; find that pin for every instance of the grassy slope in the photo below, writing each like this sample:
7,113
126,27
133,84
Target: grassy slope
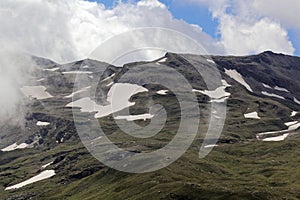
256,170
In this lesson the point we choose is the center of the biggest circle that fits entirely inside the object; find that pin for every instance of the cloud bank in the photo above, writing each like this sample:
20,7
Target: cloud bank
253,26
67,30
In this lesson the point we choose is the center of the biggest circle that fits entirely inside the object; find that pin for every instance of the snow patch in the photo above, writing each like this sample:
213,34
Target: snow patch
110,84
218,95
78,72
211,146
107,78
211,61
52,69
98,138
215,94
267,86
85,104
42,79
252,115
43,175
77,92
276,139
136,117
281,89
118,98
272,95
238,77
15,146
290,123
296,101
39,123
224,83
48,164
162,92
292,126
294,113
221,100
162,60
38,92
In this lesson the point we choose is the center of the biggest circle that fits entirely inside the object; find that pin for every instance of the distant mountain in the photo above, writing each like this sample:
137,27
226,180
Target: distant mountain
256,156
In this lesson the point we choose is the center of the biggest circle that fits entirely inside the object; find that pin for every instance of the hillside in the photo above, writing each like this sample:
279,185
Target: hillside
255,157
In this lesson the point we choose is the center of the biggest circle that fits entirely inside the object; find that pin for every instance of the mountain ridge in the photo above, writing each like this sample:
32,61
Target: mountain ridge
248,162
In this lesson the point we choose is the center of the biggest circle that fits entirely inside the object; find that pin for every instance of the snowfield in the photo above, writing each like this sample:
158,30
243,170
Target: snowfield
42,176
15,146
118,98
292,126
38,92
77,92
218,95
238,78
85,104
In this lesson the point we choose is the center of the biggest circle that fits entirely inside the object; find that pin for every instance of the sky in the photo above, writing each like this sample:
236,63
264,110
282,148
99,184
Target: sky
68,30
260,22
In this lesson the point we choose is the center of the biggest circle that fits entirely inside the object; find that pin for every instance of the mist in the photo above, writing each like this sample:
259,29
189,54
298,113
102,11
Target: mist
65,31
27,28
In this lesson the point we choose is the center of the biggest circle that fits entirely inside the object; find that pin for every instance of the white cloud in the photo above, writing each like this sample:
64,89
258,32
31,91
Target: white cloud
14,70
286,12
92,23
37,27
241,37
253,26
151,4
65,30
34,27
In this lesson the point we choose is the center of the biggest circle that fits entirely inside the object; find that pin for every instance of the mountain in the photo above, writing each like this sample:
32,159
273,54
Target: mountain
256,155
